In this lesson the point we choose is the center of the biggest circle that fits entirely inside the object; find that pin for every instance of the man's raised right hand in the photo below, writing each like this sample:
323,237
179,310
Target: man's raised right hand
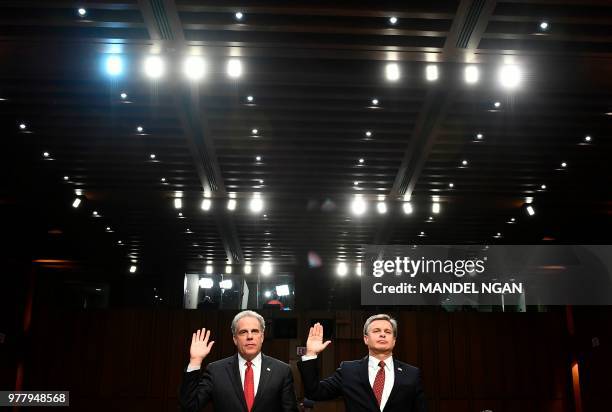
200,347
315,344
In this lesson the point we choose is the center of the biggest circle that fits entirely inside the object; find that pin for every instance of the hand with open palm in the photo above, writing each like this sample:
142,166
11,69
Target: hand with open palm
200,346
315,344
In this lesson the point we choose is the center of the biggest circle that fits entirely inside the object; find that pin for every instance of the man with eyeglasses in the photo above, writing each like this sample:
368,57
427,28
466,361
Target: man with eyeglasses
248,381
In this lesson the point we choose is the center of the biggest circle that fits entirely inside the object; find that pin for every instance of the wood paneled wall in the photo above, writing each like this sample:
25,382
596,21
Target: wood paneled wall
133,359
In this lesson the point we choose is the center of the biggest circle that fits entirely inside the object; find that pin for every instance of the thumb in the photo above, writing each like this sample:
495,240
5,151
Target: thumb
326,343
210,344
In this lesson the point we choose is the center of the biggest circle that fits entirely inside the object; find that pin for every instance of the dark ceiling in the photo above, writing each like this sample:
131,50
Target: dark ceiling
313,69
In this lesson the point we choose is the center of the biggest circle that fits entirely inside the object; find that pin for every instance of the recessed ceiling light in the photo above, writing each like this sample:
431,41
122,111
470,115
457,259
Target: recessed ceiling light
464,162
381,207
154,67
435,208
120,242
82,12
497,104
66,177
543,187
261,181
194,68
375,102
358,206
178,203
163,179
393,20
392,72
23,126
180,214
510,76
256,204
587,138
152,155
361,160
250,99
234,68
431,72
543,25
108,229
513,220
206,204
563,164
341,269
76,202
368,133
46,154
479,136
407,207
258,158
254,131
451,185
231,204
239,15
422,234
123,96
356,183
139,129
530,210
114,65
471,74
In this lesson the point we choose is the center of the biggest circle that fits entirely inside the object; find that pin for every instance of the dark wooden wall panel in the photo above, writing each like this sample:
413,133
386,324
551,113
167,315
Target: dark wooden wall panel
133,359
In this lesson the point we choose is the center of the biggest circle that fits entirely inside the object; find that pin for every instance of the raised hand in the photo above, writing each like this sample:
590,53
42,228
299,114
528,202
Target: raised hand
200,346
315,344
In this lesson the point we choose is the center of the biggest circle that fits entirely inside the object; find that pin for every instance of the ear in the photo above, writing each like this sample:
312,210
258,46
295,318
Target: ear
365,339
263,335
235,340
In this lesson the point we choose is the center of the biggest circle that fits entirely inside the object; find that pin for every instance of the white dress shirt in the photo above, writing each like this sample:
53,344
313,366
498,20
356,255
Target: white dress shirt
255,365
389,377
372,371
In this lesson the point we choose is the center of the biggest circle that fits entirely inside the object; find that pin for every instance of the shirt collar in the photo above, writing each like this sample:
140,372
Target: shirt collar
256,362
373,362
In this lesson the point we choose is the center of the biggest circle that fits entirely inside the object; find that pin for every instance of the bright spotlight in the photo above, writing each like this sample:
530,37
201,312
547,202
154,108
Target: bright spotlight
510,76
206,203
393,20
543,26
154,67
282,290
471,74
76,203
358,269
208,269
407,208
231,204
132,269
239,15
435,208
381,207
226,284
392,72
268,294
431,73
178,203
82,12
247,268
206,283
228,269
342,269
256,204
266,268
234,68
194,67
358,206
114,65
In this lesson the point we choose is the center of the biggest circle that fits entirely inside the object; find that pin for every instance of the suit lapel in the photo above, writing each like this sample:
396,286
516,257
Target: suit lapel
264,377
234,376
365,380
399,376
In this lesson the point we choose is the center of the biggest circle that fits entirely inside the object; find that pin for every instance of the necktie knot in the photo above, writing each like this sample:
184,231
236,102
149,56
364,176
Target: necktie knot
381,364
248,364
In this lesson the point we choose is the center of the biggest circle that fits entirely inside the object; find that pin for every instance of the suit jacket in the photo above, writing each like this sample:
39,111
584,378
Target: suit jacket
351,382
220,383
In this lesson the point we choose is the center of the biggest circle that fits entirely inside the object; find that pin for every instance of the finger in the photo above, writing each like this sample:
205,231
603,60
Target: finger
311,332
193,338
197,335
202,334
210,345
320,331
206,337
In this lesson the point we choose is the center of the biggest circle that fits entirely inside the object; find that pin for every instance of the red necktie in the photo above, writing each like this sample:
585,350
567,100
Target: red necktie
249,386
379,382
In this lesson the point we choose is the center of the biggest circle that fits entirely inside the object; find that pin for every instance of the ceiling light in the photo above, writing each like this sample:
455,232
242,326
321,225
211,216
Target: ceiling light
392,19
435,208
422,234
154,67
120,242
358,206
123,96
282,290
497,105
132,269
451,185
407,206
114,65
208,268
544,26
76,203
95,213
206,283
375,102
22,126
358,269
78,192
163,179
108,228
563,164
226,284
361,160
180,214
234,68
45,154
268,294
206,203
587,138
231,204
479,136
258,158
431,72
139,129
250,99
178,203
543,187
152,155
228,270
341,269
471,74
464,162
194,67
82,12
381,207
392,72
266,268
530,210
256,204
239,15
66,178
510,76
247,268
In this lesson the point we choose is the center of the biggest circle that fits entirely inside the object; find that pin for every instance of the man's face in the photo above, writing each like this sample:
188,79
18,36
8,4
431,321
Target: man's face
249,337
380,336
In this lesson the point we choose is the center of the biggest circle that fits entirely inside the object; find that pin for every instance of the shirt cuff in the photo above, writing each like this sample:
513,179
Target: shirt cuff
305,357
192,368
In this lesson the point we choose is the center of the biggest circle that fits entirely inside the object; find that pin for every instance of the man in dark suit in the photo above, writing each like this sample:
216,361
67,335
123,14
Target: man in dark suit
377,382
248,381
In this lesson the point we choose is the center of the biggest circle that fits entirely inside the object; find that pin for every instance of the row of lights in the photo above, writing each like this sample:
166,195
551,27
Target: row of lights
359,206
256,204
265,268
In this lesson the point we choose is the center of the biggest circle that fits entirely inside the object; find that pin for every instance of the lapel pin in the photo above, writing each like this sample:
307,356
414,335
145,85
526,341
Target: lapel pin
399,369
268,369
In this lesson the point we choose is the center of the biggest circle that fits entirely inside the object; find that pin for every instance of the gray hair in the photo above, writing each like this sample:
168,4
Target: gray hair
380,316
246,314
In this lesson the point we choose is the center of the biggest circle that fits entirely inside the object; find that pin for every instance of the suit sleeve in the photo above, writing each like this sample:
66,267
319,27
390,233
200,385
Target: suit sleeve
196,390
289,402
418,403
327,389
